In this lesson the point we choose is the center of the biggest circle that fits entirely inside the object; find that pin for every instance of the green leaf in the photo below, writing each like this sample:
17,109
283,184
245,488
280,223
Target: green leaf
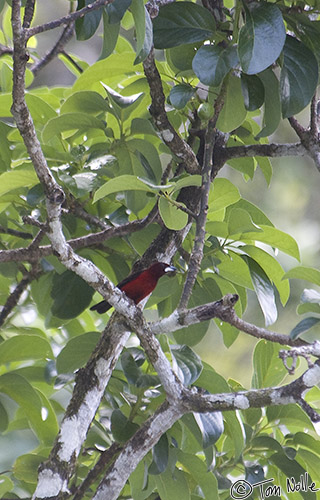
293,470
233,112
173,218
233,268
4,421
133,373
87,25
122,183
86,100
172,485
21,391
240,221
290,415
110,35
6,485
275,238
190,180
17,178
191,335
147,43
211,427
212,63
71,121
303,326
252,91
264,291
266,442
186,363
262,37
117,9
272,268
198,470
22,347
26,467
272,108
224,193
71,295
76,352
268,367
160,455
122,428
180,23
304,273
298,78
180,95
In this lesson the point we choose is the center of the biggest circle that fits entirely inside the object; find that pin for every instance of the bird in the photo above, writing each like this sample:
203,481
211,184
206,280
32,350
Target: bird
138,285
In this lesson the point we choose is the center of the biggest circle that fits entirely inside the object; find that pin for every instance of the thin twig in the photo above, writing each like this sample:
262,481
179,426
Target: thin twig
57,49
197,251
66,19
15,295
15,232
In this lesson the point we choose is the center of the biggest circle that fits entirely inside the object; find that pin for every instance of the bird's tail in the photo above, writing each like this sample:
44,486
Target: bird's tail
101,307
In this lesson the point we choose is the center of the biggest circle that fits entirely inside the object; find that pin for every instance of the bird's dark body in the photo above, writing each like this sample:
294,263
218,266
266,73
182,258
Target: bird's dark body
138,285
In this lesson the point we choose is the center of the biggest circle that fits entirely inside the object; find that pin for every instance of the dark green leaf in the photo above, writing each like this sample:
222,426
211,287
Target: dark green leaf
293,470
87,25
180,23
272,108
262,38
299,77
266,443
211,427
121,428
212,63
180,58
188,365
71,295
147,44
264,291
172,485
192,334
303,326
4,418
180,95
160,455
254,474
117,9
110,39
253,91
199,471
76,352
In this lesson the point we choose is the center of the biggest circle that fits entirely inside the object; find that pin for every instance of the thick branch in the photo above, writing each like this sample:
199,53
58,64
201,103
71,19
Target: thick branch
221,309
270,150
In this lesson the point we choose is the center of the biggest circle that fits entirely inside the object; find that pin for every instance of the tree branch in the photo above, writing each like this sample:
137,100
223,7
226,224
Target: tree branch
66,19
157,110
57,49
222,309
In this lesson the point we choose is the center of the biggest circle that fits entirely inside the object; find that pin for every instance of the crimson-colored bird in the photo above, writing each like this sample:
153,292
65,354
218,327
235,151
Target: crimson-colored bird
138,285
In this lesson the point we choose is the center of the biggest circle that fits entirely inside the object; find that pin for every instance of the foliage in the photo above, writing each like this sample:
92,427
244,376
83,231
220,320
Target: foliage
105,151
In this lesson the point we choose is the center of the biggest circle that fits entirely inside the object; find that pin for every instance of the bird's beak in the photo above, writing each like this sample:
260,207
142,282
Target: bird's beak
171,270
